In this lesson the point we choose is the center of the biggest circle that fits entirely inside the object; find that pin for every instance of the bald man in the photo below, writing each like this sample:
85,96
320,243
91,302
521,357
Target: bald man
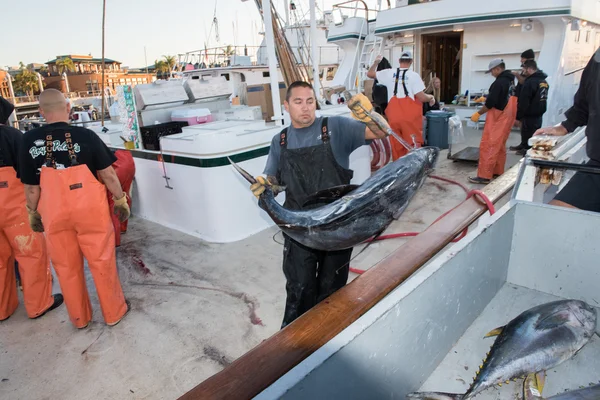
60,167
17,240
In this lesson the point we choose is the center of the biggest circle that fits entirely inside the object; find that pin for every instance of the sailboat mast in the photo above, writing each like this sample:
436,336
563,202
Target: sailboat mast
274,75
314,49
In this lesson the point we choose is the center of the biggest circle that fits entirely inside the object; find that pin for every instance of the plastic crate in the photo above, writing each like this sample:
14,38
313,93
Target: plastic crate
151,134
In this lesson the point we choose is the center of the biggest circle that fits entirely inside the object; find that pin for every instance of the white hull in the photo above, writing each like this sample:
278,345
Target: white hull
206,197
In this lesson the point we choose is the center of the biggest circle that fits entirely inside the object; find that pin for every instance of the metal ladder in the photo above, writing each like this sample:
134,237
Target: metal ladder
371,48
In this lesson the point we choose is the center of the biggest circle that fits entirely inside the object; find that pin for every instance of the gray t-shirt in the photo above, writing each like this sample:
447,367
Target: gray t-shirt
346,135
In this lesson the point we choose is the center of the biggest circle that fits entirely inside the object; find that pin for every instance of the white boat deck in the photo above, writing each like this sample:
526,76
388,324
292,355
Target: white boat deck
456,372
196,307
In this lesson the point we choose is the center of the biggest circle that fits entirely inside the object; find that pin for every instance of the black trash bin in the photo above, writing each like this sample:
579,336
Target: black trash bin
437,128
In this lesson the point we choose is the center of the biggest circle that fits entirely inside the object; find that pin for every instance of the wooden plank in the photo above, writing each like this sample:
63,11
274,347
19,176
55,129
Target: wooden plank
260,367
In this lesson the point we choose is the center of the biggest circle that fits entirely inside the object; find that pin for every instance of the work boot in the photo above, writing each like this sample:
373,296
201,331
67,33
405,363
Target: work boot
516,148
126,312
521,152
479,181
58,300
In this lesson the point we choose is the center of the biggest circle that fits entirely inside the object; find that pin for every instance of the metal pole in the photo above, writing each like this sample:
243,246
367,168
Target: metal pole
286,4
314,49
11,93
103,21
270,42
146,61
40,82
11,90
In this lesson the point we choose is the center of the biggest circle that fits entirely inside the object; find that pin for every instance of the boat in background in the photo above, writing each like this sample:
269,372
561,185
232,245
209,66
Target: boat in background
455,40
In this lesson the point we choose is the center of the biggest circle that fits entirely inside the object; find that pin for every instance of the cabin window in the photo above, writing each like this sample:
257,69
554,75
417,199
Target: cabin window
266,74
226,76
243,77
587,36
195,77
577,36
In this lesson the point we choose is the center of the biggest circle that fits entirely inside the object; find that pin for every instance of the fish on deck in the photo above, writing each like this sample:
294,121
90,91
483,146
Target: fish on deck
538,339
534,385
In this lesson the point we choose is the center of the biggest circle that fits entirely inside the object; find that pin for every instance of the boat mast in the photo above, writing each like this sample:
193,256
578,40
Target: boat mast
273,73
314,49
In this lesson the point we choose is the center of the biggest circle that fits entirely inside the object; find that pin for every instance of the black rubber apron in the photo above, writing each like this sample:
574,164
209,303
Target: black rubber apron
312,275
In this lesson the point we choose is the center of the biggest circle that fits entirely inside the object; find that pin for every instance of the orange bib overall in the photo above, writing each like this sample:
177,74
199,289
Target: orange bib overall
405,117
17,240
492,149
125,169
77,224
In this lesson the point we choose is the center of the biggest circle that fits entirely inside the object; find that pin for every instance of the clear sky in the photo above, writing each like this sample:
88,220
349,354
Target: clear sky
39,30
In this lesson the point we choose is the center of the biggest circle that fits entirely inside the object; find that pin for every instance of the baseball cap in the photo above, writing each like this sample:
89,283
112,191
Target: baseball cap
406,55
494,63
528,54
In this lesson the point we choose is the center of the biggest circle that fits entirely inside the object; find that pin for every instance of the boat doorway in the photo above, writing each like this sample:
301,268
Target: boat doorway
441,58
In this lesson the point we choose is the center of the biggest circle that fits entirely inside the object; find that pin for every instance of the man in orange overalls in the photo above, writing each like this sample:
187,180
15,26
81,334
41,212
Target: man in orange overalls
501,109
125,169
404,111
60,166
17,240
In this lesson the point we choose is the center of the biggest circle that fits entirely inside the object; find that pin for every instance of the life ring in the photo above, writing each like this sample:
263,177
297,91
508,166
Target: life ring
381,153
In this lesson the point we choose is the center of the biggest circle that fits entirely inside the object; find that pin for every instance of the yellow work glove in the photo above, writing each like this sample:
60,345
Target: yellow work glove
259,187
121,208
475,117
35,220
358,104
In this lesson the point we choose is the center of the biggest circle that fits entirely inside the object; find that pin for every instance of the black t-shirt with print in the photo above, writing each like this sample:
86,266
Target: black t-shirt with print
10,142
88,147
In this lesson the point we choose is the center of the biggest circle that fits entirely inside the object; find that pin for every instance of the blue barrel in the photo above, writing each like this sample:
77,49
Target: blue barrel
437,128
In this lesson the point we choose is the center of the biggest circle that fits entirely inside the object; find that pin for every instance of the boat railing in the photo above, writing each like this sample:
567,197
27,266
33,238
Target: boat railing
225,56
355,6
370,14
26,99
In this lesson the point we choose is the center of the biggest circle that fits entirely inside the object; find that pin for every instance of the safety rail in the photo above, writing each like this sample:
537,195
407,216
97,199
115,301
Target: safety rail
212,58
355,8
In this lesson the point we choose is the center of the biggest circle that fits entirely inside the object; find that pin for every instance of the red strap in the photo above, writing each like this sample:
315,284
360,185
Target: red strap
471,193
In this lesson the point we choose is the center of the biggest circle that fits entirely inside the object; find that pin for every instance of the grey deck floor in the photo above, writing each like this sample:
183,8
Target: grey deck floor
456,371
196,307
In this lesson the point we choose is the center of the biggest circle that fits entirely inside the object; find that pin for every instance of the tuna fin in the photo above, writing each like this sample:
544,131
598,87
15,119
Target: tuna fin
494,332
533,386
553,320
434,396
329,195
242,172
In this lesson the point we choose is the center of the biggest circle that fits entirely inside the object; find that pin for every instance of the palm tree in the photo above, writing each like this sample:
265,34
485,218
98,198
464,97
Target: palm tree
229,51
44,70
161,68
26,81
65,64
170,62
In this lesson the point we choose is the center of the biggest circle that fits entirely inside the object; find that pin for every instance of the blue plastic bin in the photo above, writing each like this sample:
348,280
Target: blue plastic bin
437,128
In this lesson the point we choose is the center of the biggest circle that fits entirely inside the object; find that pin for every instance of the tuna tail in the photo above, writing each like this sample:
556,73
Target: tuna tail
242,172
435,396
